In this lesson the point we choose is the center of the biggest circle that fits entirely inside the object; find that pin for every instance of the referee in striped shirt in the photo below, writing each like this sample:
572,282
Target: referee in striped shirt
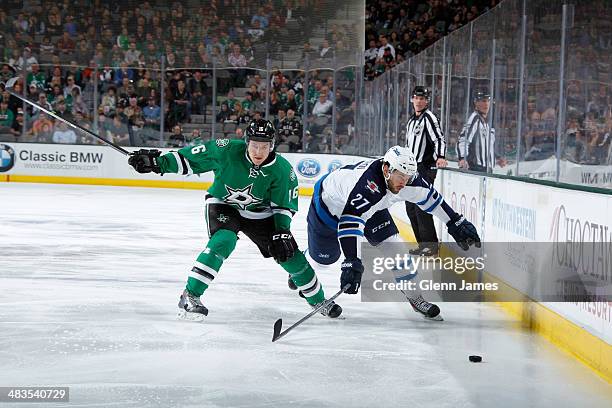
476,143
425,139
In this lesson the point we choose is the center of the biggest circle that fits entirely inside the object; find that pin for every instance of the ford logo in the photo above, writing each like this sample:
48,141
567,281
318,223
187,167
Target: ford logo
333,165
308,168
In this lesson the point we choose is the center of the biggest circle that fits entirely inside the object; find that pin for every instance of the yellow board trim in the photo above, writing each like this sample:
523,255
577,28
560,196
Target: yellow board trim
192,185
570,338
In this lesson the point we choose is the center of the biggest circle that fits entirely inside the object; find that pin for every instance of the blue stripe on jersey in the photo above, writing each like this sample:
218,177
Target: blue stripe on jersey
431,190
322,212
350,232
434,205
350,218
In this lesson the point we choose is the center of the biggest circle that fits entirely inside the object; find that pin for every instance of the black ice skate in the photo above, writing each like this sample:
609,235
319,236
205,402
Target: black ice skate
429,311
191,308
332,310
291,284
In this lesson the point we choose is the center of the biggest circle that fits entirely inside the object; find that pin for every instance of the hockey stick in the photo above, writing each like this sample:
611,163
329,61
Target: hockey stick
278,325
69,123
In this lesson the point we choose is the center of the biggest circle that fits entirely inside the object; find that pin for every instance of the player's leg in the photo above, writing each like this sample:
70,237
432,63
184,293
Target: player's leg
223,225
427,230
260,231
411,211
300,271
381,232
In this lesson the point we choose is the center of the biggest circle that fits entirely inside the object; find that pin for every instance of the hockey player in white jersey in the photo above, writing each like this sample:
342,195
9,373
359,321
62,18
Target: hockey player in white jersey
351,204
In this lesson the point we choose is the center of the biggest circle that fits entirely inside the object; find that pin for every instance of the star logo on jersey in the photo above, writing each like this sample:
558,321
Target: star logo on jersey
242,197
372,186
222,218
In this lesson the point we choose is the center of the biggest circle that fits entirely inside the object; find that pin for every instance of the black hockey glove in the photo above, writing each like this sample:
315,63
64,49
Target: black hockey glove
352,269
464,233
145,160
282,246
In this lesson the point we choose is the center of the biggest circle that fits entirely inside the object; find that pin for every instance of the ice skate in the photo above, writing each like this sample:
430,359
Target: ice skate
332,310
191,308
428,310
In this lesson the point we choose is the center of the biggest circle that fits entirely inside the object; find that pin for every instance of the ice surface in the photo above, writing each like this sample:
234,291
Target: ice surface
90,278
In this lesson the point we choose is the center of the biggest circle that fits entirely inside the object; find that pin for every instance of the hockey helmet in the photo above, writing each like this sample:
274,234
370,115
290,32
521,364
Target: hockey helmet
401,159
260,130
421,91
481,94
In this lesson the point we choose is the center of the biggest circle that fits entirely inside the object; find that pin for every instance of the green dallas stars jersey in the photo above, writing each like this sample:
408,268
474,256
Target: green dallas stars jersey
271,190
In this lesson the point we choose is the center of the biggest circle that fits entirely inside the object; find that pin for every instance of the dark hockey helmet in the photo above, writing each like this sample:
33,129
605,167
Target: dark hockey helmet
481,94
260,130
421,91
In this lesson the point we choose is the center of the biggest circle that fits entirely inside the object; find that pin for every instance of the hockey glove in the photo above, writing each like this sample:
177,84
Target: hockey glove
464,233
145,160
282,246
352,269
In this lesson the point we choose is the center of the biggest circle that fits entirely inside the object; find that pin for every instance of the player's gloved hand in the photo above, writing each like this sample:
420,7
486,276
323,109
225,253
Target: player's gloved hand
464,233
145,160
352,269
282,245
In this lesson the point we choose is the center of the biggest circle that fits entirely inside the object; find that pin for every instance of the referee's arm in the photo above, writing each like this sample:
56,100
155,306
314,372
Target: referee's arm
435,133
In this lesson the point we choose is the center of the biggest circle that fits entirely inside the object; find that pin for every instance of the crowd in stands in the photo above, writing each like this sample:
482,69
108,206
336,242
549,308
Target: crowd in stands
399,29
127,69
102,67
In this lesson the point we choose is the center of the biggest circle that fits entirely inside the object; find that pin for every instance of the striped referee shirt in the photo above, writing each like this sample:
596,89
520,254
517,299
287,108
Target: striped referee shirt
475,143
424,137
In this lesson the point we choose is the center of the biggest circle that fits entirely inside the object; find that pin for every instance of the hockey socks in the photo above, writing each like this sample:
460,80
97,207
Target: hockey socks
304,278
208,263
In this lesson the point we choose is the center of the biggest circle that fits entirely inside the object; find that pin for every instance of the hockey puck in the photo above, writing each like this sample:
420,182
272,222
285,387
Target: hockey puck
475,359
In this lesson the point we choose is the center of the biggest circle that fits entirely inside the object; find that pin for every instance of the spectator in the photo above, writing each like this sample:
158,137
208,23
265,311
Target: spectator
17,126
371,53
237,60
70,85
132,54
152,113
325,51
123,72
63,134
177,138
66,44
323,106
26,59
384,45
224,113
198,90
6,115
36,77
181,104
118,131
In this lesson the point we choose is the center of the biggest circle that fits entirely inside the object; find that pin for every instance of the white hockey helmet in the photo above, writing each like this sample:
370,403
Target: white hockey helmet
402,160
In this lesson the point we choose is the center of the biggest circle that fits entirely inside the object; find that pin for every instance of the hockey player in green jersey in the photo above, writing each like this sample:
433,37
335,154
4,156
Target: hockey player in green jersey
255,191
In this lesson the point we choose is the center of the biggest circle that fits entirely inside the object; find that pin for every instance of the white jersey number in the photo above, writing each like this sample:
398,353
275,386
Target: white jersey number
355,201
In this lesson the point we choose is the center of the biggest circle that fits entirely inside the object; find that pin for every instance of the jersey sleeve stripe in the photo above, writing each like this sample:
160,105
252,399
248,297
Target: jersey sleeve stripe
431,190
350,218
350,232
179,162
434,205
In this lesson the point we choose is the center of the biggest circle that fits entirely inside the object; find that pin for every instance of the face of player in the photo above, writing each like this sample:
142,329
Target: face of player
258,151
419,103
396,180
483,105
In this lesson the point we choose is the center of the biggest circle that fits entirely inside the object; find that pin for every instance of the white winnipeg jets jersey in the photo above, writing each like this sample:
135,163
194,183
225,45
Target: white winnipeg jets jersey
353,193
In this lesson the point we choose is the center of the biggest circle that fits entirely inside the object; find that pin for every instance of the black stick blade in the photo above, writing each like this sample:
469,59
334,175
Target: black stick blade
278,326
